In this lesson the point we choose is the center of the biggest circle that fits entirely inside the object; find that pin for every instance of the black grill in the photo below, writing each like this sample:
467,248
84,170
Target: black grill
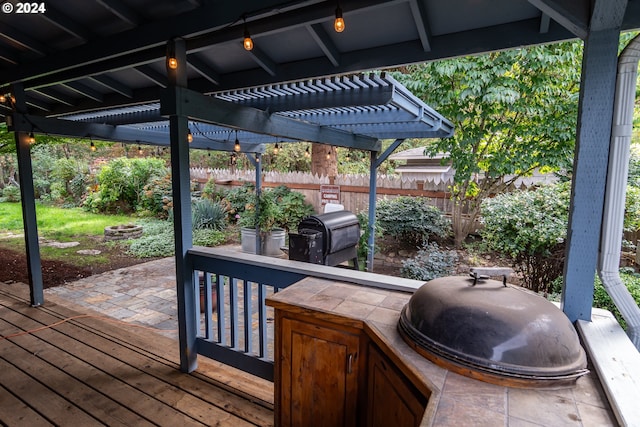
328,239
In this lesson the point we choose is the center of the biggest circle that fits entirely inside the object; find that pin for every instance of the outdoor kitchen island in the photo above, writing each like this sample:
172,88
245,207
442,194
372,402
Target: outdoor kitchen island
340,360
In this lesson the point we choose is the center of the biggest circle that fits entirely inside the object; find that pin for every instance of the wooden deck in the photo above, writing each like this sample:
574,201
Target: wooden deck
60,366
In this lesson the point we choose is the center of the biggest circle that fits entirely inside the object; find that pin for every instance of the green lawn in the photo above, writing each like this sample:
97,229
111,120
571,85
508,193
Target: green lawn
62,225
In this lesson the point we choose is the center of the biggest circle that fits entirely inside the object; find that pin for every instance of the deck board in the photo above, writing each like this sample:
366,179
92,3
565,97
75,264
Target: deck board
94,372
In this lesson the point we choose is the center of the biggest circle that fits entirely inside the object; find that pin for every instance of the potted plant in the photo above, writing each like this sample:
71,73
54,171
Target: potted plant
259,222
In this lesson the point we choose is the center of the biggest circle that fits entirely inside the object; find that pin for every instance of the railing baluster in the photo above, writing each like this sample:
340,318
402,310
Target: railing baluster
208,321
248,317
262,319
233,311
222,336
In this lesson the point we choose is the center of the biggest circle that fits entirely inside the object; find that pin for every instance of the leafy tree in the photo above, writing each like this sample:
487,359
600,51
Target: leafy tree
513,111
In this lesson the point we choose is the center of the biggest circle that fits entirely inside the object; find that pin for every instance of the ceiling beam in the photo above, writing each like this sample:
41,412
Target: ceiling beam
421,19
203,69
325,43
185,102
123,12
56,96
38,104
8,56
153,75
84,90
263,60
65,23
571,14
113,84
23,40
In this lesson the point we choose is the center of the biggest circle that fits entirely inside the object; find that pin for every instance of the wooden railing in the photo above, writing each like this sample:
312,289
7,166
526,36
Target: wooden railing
235,326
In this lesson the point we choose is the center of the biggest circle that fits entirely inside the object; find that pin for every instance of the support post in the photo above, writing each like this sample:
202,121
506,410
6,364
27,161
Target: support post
371,242
595,115
181,187
27,196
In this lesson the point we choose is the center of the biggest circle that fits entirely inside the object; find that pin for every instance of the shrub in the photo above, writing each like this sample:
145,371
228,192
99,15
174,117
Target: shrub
157,196
530,227
430,263
122,182
363,248
412,220
11,193
208,214
237,199
279,207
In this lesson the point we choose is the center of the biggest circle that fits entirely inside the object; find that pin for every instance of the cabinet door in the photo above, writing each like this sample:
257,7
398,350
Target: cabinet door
319,375
392,400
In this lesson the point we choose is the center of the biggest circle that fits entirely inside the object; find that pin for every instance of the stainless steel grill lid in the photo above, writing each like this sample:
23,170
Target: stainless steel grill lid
489,331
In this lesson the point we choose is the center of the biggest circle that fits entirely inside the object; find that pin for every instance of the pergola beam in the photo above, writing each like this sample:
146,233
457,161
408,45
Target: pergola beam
198,107
572,15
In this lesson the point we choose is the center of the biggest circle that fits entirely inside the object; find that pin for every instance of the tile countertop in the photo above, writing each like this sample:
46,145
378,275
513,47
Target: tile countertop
455,399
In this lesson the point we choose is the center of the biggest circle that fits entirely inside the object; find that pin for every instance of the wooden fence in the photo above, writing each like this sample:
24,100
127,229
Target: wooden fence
354,189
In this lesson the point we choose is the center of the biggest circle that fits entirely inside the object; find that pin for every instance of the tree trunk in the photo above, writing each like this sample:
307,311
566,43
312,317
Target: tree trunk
324,160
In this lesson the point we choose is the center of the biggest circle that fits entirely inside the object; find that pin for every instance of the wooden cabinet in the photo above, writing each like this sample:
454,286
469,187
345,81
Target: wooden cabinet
391,399
317,380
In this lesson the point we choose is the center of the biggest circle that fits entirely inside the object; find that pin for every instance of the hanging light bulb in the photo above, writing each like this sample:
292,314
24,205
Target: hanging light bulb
338,23
275,149
92,147
247,42
236,146
307,153
328,157
172,61
189,136
31,139
3,99
139,150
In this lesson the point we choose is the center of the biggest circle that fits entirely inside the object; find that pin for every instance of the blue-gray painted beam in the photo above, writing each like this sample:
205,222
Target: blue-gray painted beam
27,195
114,85
120,10
208,109
182,227
257,163
65,23
263,60
18,37
421,18
151,74
56,96
595,114
325,43
85,90
327,99
573,15
203,69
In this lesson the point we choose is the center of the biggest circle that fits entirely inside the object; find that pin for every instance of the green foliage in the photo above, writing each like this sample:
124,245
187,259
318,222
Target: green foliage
237,199
279,207
157,196
530,227
208,214
412,219
513,111
430,263
11,193
363,243
121,184
158,239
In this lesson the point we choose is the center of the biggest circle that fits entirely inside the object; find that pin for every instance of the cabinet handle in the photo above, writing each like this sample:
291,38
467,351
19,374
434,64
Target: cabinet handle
350,364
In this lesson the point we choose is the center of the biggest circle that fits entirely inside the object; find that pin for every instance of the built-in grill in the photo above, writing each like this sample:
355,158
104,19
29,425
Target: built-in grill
329,239
494,332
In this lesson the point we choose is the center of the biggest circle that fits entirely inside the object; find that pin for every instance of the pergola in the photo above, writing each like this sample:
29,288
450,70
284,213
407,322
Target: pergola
63,69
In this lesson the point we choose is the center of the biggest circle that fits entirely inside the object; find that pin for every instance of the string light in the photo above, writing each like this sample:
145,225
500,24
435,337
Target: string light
139,150
338,24
31,139
3,99
247,42
275,149
92,147
189,136
236,146
172,61
307,153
